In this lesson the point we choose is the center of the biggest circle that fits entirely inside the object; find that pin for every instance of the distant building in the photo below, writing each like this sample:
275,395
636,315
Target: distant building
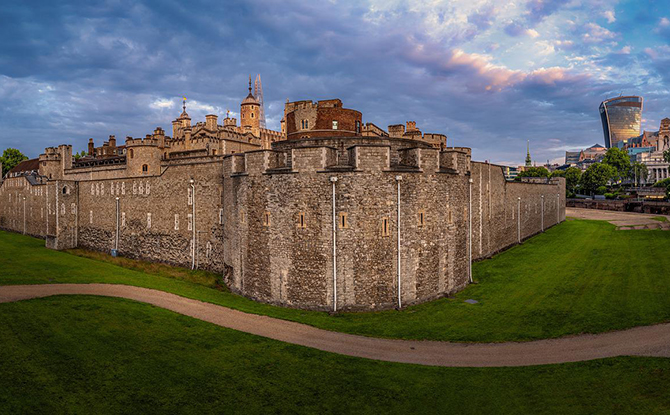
529,161
621,118
584,158
510,172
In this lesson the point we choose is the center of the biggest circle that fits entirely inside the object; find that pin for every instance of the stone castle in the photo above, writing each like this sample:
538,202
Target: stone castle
329,213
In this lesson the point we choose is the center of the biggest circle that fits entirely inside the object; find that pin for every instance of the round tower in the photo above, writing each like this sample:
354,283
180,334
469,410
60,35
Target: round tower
250,113
143,156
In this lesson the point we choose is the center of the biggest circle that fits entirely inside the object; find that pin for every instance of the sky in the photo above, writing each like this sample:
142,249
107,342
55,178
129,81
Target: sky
490,74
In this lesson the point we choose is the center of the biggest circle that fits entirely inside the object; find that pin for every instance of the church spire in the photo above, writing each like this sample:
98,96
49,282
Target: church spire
529,162
184,105
249,84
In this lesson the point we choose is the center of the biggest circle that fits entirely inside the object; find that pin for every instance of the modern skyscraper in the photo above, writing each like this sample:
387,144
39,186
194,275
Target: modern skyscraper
622,119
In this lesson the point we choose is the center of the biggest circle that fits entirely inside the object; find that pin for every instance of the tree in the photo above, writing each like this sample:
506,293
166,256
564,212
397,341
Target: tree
620,161
666,156
533,172
597,175
640,172
77,156
11,157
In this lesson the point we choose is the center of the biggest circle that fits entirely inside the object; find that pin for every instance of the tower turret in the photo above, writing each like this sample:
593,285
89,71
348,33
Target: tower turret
250,111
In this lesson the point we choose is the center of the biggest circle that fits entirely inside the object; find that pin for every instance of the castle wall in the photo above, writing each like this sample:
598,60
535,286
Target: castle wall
277,242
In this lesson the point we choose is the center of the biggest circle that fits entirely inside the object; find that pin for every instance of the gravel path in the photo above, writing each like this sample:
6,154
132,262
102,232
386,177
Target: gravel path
643,341
622,220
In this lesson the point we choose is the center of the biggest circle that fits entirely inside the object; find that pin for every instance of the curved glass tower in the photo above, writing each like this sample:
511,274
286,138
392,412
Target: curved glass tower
622,119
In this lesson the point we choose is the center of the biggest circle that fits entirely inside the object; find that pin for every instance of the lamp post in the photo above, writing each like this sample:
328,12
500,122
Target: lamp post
542,221
116,239
333,180
518,231
398,179
193,247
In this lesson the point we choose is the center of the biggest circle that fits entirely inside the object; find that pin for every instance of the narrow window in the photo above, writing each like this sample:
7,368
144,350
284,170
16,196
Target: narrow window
190,221
221,216
266,219
176,221
145,168
344,220
451,219
385,227
130,153
301,220
148,220
90,217
242,220
252,115
214,152
190,196
358,126
422,218
334,125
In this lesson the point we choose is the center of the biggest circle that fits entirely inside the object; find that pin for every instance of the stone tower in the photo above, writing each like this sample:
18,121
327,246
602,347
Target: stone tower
250,113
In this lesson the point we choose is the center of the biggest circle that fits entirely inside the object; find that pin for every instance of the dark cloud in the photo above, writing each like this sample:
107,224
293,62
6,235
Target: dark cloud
87,69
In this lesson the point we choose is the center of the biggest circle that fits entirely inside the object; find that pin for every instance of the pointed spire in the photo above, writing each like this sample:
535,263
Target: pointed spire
528,159
184,104
250,84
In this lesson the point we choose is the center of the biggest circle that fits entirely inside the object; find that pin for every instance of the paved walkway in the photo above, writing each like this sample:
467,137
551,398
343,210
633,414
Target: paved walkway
622,220
643,341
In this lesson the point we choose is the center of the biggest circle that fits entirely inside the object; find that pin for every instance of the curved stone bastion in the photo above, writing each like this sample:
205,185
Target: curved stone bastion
352,223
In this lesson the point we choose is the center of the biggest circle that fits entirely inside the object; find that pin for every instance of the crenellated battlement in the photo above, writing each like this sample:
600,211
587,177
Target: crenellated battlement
146,141
356,158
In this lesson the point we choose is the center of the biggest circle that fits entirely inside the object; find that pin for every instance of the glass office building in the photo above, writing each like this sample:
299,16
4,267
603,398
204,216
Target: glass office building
622,119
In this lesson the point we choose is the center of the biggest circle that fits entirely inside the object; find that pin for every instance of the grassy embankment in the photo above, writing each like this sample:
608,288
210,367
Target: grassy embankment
82,354
578,277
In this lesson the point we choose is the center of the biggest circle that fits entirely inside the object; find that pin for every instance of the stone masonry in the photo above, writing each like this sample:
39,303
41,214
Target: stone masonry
310,223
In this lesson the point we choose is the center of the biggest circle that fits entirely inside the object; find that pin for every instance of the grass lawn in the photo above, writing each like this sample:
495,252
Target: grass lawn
83,354
580,276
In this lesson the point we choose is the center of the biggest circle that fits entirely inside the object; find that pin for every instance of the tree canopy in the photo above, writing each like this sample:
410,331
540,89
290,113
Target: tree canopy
620,161
534,172
597,175
11,157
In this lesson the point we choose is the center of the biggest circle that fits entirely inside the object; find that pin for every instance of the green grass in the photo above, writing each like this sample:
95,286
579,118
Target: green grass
578,277
82,354
660,218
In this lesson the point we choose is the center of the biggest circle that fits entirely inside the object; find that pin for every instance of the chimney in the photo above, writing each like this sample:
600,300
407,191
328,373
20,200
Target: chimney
91,147
112,141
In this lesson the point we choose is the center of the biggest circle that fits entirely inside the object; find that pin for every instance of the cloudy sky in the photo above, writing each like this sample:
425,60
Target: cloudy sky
491,74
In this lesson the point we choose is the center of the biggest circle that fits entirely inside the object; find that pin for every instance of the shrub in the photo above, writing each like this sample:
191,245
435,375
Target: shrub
662,183
610,196
601,190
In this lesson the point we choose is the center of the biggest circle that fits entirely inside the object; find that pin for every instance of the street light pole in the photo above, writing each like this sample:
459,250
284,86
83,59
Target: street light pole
519,219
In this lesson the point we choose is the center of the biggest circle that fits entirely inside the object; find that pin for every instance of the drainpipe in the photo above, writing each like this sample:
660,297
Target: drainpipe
558,208
398,180
24,215
470,231
116,240
46,208
333,180
193,247
518,232
542,213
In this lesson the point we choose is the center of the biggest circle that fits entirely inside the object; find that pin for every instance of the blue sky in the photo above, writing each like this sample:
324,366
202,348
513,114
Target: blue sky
490,74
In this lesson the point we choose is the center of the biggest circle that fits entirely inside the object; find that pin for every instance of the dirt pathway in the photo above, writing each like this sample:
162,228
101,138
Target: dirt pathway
622,220
644,341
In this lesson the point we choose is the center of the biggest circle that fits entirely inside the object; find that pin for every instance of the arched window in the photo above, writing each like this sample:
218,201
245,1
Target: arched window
145,168
252,115
66,191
